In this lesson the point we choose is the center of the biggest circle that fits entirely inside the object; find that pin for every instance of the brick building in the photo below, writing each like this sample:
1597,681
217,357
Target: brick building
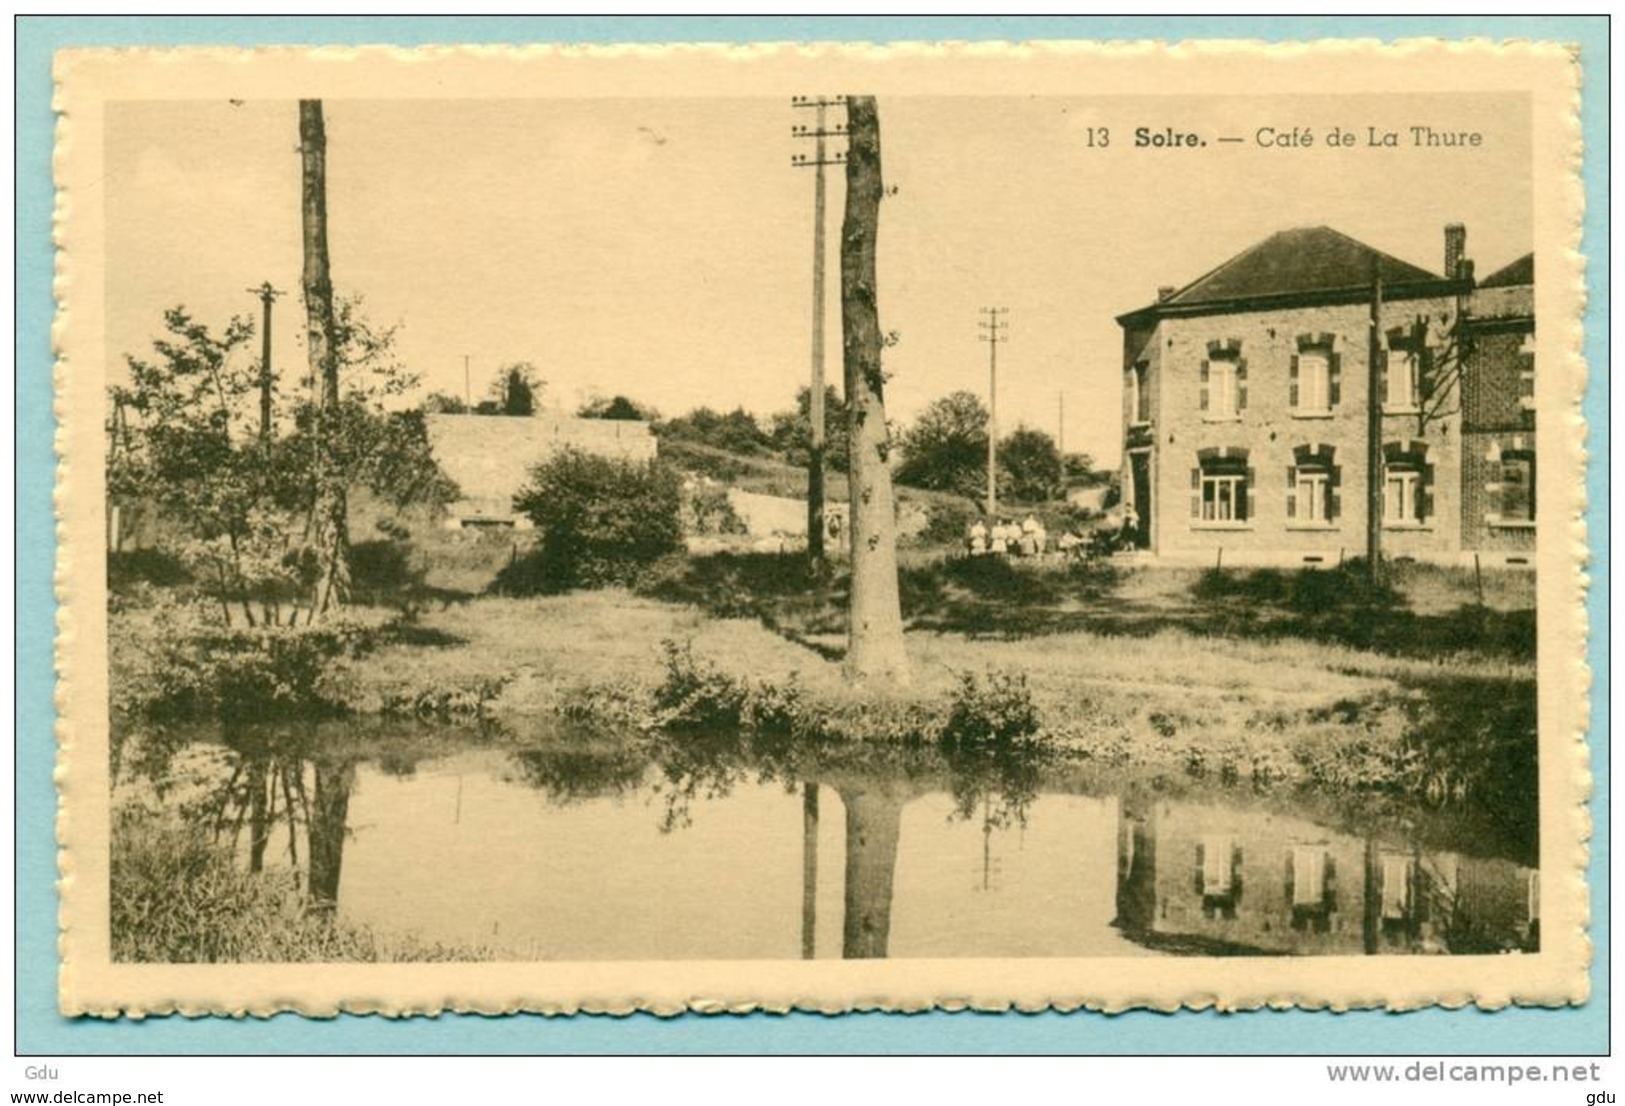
1245,407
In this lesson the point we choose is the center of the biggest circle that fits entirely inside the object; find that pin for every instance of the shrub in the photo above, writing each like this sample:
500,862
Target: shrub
198,669
600,520
998,713
948,521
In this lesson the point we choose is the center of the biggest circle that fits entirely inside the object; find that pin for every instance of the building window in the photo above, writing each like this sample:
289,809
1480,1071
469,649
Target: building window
1407,485
1312,383
1221,489
1224,382
1139,394
1518,486
1401,376
1313,482
1314,495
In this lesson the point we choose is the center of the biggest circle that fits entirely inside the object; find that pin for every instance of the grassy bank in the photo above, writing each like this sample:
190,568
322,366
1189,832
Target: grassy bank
1258,678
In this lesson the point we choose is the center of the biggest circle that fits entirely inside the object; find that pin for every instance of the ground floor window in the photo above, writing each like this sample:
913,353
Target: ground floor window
1221,486
1312,493
1518,486
1407,480
1400,502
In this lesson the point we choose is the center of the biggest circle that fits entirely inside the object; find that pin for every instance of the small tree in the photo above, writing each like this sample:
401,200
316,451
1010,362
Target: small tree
600,519
618,407
946,448
791,431
248,517
517,390
1032,464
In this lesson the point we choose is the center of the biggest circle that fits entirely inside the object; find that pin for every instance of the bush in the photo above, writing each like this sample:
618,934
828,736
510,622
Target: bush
997,714
198,669
599,520
948,522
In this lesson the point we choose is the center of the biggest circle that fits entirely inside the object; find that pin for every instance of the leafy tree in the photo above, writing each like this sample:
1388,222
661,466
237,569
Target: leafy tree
618,407
1030,462
790,432
517,390
737,431
1079,468
946,448
600,520
186,438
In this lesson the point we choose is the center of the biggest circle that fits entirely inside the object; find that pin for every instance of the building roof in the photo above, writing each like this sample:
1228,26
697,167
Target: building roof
1521,271
1304,263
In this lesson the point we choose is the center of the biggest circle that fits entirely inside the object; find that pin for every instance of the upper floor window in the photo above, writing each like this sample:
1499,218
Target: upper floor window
1400,391
1221,389
1312,383
1139,394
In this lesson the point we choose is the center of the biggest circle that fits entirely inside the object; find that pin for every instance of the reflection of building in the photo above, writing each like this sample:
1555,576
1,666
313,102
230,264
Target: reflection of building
1247,391
1218,881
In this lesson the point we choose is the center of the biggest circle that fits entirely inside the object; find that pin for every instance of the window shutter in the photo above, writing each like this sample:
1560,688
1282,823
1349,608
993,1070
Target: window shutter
1334,380
1334,477
1235,872
1196,492
1241,385
1291,878
1424,499
1200,884
1293,377
1292,477
1244,502
1204,385
1381,397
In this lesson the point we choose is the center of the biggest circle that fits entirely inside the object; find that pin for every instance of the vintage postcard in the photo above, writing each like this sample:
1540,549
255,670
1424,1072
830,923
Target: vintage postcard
725,528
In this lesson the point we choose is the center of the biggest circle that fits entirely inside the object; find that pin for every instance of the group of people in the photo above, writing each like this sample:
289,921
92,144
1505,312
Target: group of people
1006,537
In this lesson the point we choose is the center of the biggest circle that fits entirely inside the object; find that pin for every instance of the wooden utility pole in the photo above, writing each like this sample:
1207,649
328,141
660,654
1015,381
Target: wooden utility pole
809,870
875,652
468,389
321,338
819,132
1060,429
994,331
1373,430
267,296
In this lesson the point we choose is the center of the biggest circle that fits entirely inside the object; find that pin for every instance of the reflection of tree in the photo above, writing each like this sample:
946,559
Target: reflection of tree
569,774
873,821
329,814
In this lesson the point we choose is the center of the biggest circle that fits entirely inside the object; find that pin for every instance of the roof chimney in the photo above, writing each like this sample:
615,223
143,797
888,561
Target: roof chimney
1455,246
1166,293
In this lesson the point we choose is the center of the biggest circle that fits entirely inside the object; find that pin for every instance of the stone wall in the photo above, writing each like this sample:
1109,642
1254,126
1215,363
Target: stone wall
490,456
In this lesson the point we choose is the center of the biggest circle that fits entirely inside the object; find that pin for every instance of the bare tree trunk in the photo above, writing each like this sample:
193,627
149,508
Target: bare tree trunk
875,651
332,513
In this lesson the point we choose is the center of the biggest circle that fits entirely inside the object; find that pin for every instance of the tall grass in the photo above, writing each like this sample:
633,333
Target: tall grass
178,898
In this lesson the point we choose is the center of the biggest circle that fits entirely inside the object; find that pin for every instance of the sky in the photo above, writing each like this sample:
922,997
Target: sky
662,248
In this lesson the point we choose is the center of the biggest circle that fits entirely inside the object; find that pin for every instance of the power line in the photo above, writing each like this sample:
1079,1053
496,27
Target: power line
820,132
995,330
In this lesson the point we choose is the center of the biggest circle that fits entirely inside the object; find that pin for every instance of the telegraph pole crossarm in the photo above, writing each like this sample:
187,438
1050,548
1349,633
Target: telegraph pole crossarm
995,329
821,131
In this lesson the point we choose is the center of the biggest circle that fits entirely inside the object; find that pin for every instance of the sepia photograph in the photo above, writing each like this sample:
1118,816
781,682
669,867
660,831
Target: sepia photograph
1001,525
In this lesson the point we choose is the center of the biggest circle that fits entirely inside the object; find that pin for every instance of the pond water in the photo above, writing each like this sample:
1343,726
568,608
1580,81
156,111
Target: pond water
574,848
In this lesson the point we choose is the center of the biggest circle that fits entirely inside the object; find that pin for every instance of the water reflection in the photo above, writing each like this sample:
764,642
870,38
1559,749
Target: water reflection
1200,878
573,847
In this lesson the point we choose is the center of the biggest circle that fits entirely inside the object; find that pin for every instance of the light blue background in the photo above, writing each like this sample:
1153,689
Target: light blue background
40,1031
